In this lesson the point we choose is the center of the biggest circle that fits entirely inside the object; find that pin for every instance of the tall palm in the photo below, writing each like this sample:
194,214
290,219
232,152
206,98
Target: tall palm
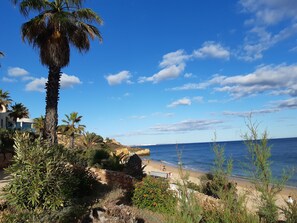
38,125
58,24
4,99
1,55
18,110
91,140
72,126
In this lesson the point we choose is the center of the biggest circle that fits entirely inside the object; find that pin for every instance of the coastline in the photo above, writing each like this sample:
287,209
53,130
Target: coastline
244,186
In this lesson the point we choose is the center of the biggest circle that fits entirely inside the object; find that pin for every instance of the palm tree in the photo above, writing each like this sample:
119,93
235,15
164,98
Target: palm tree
18,110
72,127
38,125
4,99
91,139
1,55
58,24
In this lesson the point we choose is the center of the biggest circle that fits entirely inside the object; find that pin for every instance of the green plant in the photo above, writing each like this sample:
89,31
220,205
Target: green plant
216,183
43,178
154,194
290,212
188,209
259,167
95,156
6,140
114,162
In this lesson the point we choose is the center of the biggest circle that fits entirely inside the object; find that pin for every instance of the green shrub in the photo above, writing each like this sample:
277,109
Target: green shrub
43,178
188,209
216,183
154,194
114,162
290,212
95,156
6,140
259,168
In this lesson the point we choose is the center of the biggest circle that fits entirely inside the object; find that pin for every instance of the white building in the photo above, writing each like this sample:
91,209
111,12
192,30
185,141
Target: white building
4,117
7,123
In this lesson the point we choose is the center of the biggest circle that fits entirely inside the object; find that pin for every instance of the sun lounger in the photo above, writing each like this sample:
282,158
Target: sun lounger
159,174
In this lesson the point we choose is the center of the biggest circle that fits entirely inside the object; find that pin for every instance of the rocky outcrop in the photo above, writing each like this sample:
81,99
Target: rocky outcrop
143,152
113,178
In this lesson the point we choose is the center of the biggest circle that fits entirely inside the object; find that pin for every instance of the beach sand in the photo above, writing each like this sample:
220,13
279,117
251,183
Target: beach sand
243,185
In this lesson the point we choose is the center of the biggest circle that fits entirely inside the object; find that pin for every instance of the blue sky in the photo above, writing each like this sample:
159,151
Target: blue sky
169,71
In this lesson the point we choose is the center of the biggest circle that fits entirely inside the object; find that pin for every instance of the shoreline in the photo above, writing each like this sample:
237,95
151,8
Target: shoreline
198,173
244,186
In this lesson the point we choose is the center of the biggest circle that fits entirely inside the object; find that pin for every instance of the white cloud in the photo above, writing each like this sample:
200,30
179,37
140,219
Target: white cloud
37,85
269,12
170,72
211,49
69,81
263,14
66,81
187,125
174,58
266,78
119,78
8,80
249,113
277,80
173,64
182,101
188,75
289,103
16,72
198,99
258,40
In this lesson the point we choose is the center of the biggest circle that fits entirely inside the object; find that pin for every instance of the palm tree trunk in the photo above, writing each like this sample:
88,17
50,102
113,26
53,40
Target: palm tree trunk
51,109
72,141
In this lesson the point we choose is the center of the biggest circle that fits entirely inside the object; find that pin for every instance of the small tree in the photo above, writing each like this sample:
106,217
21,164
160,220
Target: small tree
38,125
72,127
18,110
259,167
90,140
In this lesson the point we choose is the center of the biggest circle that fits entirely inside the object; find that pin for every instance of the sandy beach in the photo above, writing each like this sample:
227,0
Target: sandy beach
243,186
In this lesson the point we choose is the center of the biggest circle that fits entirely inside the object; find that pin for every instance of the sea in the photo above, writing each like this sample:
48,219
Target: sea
200,156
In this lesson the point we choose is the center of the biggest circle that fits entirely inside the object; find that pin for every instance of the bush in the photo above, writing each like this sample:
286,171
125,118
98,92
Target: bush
95,156
43,179
259,167
216,183
154,194
290,212
188,209
6,140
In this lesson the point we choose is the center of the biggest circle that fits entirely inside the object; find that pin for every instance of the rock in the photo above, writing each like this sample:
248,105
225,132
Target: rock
143,152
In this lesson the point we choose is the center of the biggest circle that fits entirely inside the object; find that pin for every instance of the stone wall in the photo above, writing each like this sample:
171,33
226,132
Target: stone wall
113,178
5,159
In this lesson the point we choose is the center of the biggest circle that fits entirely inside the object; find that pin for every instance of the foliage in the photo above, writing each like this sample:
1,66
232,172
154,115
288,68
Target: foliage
216,183
38,125
154,194
91,140
259,167
189,209
72,127
5,99
95,156
290,212
18,110
6,140
114,162
43,179
56,25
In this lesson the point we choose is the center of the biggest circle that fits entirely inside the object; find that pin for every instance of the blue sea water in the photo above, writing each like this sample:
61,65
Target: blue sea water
200,156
